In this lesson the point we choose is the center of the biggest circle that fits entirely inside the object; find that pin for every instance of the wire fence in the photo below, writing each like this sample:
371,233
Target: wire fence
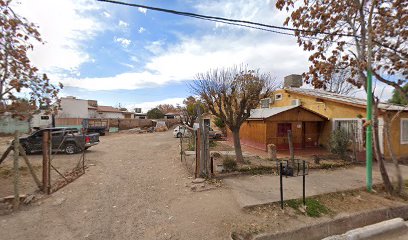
188,142
67,157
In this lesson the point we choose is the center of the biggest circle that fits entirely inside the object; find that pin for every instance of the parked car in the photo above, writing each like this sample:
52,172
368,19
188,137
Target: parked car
68,140
214,134
181,131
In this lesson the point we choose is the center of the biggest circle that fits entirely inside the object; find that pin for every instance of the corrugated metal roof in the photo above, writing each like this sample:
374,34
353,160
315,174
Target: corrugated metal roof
319,93
263,113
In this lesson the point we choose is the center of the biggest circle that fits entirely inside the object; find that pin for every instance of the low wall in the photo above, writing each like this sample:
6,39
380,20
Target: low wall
121,123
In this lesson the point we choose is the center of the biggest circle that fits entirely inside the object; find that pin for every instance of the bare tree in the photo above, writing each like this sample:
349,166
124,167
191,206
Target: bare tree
231,94
338,83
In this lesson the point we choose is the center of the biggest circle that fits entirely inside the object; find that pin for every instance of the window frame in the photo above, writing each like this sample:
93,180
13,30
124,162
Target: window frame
280,96
403,141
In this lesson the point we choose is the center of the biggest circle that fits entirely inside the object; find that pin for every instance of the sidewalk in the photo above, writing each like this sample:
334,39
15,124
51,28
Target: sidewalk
257,190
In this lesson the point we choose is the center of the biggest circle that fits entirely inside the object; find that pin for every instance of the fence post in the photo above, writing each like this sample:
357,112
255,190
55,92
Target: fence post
281,184
46,161
16,180
304,183
292,155
181,148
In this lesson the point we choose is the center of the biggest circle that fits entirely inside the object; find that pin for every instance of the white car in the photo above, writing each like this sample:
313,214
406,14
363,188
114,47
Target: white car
181,131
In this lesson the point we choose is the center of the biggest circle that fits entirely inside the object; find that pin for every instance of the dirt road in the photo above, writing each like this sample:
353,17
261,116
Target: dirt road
137,189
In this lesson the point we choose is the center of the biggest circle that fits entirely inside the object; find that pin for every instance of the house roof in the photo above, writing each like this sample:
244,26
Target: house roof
319,93
172,113
262,113
108,109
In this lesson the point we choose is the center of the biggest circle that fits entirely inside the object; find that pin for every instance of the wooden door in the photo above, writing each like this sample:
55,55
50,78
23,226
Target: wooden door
312,132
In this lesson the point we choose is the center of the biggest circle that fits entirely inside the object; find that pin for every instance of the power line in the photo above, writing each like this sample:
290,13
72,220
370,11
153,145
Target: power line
229,20
253,25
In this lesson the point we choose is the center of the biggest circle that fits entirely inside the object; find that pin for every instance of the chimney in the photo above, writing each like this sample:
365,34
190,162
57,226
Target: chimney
293,80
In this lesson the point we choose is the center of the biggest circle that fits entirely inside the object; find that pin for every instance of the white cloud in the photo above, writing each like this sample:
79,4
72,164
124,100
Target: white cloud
146,106
123,24
64,25
106,14
123,41
155,47
142,10
141,30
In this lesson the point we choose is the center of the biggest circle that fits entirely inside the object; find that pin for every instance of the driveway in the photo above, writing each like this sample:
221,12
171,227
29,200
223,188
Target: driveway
137,189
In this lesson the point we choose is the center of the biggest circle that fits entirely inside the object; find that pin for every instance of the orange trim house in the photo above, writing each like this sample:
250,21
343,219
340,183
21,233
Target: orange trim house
313,115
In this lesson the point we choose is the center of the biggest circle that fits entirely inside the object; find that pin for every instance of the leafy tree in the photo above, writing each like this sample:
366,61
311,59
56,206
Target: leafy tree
359,35
378,39
231,94
189,110
17,74
167,108
155,113
397,98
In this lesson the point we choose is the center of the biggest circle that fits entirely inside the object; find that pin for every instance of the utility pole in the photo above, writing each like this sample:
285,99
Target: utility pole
369,131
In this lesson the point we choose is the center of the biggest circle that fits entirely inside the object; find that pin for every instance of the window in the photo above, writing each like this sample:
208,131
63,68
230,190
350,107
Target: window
278,97
45,117
404,130
265,102
350,126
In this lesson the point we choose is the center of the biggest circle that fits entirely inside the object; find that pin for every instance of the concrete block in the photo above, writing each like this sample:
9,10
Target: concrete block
376,229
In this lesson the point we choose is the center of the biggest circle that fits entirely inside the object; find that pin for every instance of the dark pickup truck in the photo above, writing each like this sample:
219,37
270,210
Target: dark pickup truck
67,140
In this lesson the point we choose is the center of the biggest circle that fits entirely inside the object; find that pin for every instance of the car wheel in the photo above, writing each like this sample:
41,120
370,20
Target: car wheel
179,135
70,148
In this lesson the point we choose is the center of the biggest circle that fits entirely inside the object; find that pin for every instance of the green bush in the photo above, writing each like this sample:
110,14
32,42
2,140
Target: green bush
229,164
313,207
339,143
213,144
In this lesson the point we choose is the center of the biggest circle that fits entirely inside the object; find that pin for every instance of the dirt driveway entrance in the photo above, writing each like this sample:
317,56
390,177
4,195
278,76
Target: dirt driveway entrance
137,189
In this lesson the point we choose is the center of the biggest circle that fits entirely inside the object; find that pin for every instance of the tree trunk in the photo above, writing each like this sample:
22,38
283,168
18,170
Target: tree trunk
384,175
391,151
237,146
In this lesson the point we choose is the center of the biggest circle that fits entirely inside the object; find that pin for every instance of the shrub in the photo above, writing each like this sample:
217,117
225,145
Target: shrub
229,164
339,143
213,144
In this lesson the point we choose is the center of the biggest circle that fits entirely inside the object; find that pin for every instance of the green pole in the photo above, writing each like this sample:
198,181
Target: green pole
369,132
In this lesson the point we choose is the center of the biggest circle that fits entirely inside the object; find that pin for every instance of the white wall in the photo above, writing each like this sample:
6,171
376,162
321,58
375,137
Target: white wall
73,108
111,115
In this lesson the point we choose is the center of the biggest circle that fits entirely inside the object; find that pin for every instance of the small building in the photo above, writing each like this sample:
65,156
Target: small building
172,115
72,107
313,114
109,112
140,115
270,126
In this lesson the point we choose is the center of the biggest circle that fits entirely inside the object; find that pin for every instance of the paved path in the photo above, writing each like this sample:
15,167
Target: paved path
258,190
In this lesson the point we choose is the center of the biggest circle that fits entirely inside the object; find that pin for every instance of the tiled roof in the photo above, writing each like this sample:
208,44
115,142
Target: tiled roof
263,113
343,98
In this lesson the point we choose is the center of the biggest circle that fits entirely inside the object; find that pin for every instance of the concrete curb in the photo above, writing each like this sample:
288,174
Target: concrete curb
372,230
338,225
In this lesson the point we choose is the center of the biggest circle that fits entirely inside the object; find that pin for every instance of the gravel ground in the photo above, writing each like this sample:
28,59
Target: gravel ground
135,188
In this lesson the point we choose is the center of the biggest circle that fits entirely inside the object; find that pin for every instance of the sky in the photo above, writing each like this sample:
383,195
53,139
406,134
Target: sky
134,57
